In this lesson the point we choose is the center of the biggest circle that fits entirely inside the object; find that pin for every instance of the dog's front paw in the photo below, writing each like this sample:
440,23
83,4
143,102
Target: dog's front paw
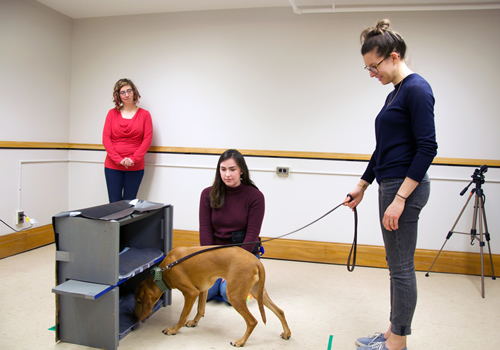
238,343
191,323
286,336
169,331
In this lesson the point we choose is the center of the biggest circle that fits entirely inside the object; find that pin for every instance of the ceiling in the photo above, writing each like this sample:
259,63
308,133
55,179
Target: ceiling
101,8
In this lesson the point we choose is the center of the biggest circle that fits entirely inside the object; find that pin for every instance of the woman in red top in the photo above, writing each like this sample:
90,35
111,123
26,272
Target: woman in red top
127,136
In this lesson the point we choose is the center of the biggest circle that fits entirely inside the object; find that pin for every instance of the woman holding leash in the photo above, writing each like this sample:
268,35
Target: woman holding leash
231,210
127,136
405,147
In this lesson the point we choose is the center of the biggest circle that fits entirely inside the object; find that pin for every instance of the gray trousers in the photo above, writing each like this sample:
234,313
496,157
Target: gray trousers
400,251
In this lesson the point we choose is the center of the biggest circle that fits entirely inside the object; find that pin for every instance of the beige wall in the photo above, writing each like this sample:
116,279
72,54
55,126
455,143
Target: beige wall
35,66
35,86
289,82
250,79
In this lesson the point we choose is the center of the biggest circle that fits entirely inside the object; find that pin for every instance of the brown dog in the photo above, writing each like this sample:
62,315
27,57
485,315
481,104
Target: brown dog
193,277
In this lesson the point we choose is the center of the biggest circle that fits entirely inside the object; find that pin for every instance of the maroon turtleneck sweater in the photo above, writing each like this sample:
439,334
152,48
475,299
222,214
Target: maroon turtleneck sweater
243,210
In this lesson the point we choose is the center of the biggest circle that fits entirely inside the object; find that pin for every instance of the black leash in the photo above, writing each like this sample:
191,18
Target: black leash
351,253
354,247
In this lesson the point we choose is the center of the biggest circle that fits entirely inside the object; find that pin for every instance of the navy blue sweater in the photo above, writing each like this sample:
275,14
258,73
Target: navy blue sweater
405,133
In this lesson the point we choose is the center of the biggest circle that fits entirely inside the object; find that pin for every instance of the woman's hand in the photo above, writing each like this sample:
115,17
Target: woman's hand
392,214
357,196
126,162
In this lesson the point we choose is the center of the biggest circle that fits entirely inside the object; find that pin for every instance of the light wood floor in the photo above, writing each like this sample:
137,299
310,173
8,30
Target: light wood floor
319,300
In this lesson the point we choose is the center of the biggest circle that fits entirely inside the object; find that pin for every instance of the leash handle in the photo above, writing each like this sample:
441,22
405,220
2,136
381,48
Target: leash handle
354,247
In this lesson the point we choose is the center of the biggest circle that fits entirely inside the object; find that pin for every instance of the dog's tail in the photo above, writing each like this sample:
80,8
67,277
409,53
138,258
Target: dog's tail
260,292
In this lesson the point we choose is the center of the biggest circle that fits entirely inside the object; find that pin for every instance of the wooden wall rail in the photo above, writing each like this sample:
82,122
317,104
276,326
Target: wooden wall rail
251,153
288,249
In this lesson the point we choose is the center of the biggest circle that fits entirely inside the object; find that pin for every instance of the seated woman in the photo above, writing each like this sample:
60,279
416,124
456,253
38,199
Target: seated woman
231,211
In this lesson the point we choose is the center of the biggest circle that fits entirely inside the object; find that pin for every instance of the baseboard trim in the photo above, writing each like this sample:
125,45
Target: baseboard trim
367,255
20,242
294,250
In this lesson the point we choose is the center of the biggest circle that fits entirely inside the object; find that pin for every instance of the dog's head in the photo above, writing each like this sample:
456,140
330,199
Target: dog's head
146,296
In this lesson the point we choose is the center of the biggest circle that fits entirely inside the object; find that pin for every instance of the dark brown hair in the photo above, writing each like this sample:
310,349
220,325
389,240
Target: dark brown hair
218,191
383,40
116,92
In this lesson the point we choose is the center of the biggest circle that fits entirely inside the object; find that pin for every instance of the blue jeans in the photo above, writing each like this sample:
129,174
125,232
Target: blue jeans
122,184
400,251
218,290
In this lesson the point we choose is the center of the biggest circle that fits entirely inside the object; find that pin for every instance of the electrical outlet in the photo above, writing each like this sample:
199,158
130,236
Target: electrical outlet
19,217
282,171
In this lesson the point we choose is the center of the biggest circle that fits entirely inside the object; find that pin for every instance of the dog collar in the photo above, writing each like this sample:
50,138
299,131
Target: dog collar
158,279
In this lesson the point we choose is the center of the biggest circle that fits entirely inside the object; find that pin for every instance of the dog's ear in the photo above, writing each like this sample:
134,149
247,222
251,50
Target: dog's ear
143,302
143,308
140,301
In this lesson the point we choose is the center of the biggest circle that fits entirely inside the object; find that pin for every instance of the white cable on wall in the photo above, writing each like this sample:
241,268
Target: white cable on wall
183,166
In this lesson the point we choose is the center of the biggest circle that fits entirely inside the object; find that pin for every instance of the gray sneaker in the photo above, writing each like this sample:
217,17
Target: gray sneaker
372,339
376,346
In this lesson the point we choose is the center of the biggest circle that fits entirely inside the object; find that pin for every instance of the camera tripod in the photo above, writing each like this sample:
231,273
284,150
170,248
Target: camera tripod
479,215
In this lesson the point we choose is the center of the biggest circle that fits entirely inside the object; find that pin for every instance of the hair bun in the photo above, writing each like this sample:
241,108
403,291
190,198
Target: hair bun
382,26
380,29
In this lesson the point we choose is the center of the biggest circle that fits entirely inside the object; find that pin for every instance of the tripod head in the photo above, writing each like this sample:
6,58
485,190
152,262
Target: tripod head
477,178
478,175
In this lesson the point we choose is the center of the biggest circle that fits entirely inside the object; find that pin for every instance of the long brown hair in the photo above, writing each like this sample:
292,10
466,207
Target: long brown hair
218,191
116,92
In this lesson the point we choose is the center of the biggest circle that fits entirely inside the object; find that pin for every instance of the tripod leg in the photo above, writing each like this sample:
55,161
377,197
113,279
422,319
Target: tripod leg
479,214
473,230
450,233
487,234
476,215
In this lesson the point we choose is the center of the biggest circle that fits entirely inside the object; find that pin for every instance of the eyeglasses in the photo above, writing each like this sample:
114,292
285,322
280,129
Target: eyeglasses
374,69
129,91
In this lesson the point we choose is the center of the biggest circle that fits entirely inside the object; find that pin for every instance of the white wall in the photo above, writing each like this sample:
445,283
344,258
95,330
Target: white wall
311,190
35,67
270,79
34,181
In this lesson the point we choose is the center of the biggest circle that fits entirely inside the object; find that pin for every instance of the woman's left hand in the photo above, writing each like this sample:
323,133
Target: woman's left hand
126,162
394,211
392,214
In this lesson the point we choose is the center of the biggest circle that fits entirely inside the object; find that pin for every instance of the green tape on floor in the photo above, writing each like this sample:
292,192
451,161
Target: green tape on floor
330,342
52,328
